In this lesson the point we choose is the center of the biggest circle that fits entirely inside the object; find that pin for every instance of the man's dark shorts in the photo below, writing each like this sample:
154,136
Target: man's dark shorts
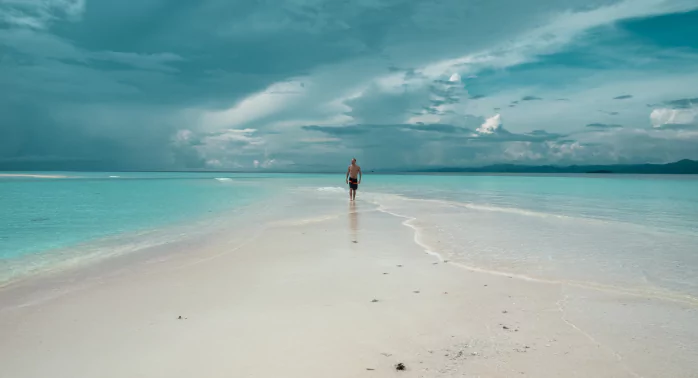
353,183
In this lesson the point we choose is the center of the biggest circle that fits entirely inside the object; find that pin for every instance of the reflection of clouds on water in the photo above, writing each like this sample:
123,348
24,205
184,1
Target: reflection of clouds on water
354,221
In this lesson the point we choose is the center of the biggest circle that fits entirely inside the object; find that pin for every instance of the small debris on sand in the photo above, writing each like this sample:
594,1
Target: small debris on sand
354,241
386,354
505,327
445,292
399,266
385,273
374,301
400,366
370,369
504,312
416,291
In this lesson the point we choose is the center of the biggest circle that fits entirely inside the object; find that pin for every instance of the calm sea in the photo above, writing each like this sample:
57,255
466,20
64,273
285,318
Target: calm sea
635,231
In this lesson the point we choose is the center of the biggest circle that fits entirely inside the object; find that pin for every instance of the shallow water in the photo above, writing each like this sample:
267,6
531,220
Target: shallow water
627,233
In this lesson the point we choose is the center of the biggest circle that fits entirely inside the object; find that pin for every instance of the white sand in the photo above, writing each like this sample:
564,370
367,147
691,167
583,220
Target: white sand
296,301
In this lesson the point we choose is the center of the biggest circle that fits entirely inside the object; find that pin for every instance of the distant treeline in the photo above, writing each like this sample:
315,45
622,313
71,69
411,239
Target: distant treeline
680,167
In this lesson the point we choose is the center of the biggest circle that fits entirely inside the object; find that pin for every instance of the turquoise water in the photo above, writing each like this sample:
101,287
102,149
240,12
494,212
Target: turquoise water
637,231
635,234
40,215
660,202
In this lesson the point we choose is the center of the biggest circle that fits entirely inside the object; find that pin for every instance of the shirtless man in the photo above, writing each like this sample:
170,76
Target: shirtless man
353,179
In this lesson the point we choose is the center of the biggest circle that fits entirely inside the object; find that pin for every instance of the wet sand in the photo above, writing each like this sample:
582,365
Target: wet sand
348,294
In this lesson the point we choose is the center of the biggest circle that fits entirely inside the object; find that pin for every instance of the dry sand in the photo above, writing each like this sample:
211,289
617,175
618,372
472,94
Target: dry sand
338,296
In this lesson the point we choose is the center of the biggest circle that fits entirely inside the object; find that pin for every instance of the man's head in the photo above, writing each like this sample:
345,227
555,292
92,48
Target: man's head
353,160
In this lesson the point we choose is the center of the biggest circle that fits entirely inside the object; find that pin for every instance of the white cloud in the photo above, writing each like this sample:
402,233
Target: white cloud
424,118
275,98
665,116
554,33
214,163
560,29
491,125
39,14
183,136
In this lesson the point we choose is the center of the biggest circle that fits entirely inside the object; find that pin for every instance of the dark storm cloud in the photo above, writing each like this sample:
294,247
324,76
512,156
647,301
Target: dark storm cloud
684,103
240,84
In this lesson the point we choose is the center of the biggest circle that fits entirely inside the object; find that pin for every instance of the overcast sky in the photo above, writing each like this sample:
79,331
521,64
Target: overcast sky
308,84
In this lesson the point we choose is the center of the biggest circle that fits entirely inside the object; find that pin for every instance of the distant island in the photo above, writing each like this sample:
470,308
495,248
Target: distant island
685,166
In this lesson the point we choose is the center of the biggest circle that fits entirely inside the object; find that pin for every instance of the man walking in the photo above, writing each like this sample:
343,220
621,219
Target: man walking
353,179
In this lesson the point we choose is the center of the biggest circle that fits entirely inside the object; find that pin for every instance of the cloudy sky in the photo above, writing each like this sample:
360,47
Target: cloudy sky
308,84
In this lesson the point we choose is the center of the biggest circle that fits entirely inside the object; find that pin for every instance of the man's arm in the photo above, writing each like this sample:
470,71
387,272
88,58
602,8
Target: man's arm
347,178
360,175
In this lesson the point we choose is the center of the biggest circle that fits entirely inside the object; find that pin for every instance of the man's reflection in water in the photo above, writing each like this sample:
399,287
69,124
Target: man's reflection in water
354,222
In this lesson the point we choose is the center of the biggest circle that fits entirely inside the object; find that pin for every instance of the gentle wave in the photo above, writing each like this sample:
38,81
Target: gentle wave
479,207
332,189
536,214
223,179
433,250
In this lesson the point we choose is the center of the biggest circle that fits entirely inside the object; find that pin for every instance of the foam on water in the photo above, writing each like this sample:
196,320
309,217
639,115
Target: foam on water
610,256
331,189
